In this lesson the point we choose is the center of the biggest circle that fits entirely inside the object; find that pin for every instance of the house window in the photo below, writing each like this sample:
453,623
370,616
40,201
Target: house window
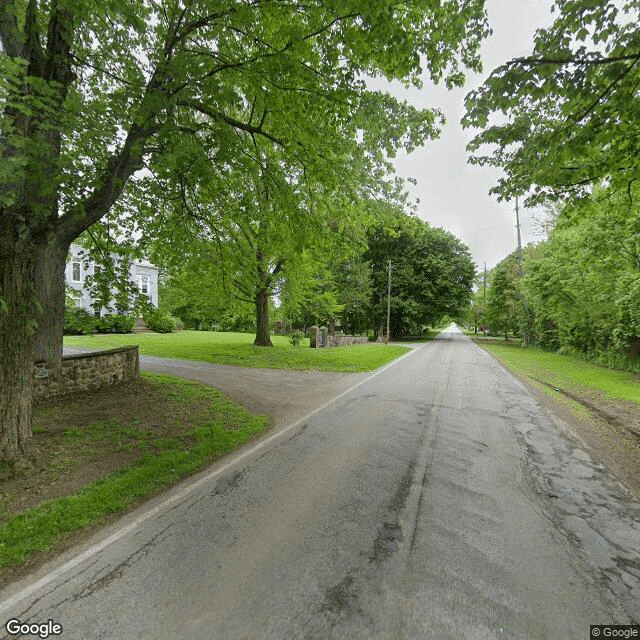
75,272
144,284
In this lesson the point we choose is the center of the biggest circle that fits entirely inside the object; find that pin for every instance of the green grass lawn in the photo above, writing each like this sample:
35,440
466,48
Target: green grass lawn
565,372
237,349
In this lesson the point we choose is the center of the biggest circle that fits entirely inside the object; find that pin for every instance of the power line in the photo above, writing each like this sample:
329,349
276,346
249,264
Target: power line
495,226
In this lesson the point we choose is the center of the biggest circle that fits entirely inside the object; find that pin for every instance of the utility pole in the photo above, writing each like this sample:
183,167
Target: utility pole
388,303
525,329
484,284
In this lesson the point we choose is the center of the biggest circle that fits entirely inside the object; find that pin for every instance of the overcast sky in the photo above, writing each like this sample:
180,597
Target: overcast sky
454,194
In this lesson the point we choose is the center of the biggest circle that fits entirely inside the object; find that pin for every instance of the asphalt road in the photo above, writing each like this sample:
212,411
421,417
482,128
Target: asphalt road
435,499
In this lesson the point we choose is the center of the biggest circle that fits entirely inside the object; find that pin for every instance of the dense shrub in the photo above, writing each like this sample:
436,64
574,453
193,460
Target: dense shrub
116,323
295,337
239,321
78,321
160,322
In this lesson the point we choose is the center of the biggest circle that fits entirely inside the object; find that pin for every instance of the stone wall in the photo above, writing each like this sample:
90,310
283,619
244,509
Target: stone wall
342,341
87,371
320,338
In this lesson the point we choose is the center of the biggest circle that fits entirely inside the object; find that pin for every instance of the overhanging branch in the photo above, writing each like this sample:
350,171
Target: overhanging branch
532,61
236,124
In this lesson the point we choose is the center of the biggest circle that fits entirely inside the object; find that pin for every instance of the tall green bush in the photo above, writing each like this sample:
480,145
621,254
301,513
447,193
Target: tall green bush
116,323
78,321
160,322
583,283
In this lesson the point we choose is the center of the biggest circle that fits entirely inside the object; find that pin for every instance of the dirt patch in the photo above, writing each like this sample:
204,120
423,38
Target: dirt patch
83,437
620,414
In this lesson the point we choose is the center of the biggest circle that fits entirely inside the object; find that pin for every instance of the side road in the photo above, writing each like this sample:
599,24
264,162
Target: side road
283,395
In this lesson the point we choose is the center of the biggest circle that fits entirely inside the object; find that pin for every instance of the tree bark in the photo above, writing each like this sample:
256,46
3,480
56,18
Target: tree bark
31,326
49,292
262,301
262,319
17,331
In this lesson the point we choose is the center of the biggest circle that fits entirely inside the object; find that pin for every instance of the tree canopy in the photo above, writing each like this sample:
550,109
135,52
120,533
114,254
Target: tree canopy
581,285
566,117
432,273
503,310
339,275
583,282
91,93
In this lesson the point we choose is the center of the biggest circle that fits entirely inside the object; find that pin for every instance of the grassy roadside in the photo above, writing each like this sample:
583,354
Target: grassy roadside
564,372
150,434
237,349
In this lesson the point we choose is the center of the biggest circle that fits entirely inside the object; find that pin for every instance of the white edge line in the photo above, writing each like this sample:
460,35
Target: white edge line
67,566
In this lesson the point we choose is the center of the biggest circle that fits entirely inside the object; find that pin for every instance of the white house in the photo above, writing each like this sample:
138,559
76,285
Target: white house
143,274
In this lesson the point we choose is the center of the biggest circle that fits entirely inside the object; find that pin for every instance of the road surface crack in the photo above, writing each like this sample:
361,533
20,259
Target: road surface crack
118,571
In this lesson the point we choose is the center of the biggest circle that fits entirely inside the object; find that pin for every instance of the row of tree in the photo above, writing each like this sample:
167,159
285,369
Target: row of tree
581,287
563,125
335,276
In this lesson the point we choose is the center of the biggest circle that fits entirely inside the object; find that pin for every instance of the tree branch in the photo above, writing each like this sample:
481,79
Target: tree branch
603,94
532,61
273,51
120,167
236,124
329,25
278,268
86,63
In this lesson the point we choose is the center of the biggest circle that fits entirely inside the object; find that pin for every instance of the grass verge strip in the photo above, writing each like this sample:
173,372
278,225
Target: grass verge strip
565,372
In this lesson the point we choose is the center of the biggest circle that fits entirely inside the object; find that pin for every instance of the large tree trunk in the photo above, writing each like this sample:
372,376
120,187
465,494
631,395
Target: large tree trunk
262,319
17,338
32,279
262,301
50,282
